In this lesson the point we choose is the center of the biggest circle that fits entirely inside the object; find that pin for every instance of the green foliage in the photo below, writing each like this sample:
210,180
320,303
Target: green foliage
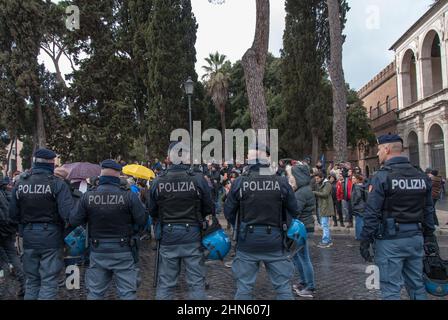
358,122
170,40
131,57
27,151
21,30
307,94
217,79
305,106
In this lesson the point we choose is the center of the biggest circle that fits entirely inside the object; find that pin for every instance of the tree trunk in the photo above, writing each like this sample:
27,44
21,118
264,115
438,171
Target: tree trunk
59,77
337,79
314,146
254,62
223,125
8,158
40,137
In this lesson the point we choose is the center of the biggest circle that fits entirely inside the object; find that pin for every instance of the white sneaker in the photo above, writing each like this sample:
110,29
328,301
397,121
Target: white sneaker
305,293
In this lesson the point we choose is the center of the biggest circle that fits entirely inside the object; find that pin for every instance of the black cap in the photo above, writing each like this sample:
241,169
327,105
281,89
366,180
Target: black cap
44,154
258,146
389,138
111,164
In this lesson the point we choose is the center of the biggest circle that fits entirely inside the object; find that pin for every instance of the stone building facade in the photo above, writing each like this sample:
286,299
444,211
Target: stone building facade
380,98
422,81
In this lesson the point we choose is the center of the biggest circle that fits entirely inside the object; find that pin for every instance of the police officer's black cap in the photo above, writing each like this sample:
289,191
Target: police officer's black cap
259,146
44,154
111,164
389,138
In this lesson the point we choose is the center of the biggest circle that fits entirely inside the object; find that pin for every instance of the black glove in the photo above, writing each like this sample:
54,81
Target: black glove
431,246
365,250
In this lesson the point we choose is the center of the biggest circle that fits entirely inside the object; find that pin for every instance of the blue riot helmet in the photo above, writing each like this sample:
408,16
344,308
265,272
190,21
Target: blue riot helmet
76,242
216,241
438,288
435,275
297,232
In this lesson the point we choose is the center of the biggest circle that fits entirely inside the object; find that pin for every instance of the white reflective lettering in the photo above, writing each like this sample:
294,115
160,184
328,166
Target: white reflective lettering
373,280
73,279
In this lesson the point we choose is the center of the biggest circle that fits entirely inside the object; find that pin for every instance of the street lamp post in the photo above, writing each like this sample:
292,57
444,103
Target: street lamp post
189,88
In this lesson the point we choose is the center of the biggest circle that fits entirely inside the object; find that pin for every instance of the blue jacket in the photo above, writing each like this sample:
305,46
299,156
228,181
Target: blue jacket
376,198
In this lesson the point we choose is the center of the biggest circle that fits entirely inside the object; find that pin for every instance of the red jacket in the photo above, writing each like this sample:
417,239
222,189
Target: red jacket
342,194
339,191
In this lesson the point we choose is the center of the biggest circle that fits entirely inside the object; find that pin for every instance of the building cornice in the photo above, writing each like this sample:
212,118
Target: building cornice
377,81
437,6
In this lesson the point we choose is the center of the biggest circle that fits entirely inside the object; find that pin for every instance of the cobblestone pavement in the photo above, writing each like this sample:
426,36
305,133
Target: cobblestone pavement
339,271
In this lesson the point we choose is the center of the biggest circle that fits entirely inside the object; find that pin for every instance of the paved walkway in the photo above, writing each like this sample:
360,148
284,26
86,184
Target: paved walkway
340,274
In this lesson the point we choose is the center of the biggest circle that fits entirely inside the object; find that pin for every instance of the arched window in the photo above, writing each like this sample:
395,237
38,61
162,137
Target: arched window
409,78
431,64
437,149
387,104
378,107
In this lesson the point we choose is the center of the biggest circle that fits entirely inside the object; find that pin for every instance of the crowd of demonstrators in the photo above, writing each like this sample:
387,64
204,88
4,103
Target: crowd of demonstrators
337,193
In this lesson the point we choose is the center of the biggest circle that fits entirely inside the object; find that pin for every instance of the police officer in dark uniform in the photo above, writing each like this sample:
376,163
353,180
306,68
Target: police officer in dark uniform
179,201
111,213
256,205
41,204
398,219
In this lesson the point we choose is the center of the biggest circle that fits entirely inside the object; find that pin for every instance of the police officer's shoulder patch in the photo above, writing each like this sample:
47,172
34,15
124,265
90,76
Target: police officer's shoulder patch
385,168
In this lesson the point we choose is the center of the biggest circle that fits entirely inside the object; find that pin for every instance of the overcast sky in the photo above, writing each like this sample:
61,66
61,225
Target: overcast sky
372,27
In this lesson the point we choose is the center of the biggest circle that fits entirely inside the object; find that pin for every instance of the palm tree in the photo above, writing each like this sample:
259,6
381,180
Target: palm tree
217,84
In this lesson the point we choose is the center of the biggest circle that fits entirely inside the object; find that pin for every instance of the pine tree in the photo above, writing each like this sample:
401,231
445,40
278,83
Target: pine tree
306,89
302,77
21,33
104,112
170,41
